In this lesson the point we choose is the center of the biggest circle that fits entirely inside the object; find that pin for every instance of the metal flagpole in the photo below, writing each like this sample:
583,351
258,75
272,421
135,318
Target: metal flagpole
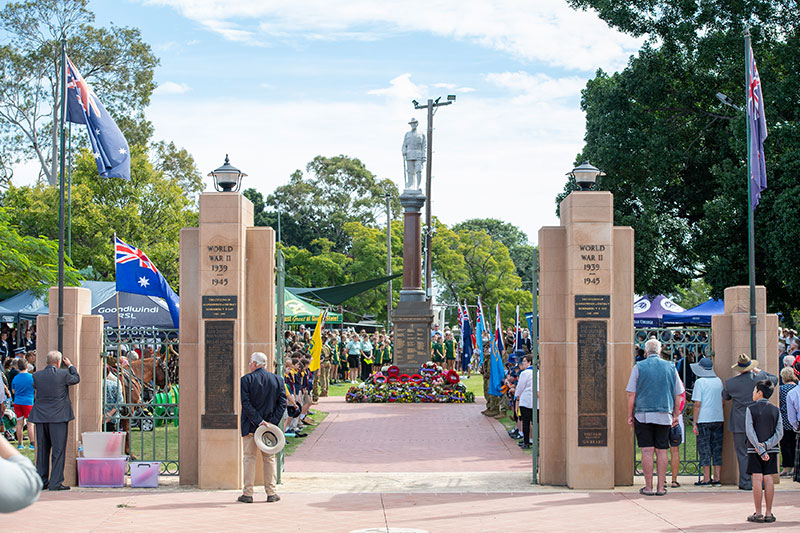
280,268
535,367
389,262
63,102
750,223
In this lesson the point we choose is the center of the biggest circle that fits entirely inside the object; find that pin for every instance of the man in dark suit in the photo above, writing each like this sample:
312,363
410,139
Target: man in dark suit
263,400
51,413
740,389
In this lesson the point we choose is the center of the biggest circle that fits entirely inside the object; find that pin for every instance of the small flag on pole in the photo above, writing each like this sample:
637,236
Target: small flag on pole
316,343
479,327
137,274
757,123
497,371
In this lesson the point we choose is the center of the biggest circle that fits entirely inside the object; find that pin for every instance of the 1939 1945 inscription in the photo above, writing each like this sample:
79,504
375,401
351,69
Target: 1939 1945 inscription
219,412
592,394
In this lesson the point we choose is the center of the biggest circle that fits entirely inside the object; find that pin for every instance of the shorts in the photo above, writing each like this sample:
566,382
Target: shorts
651,435
352,360
22,411
709,443
757,465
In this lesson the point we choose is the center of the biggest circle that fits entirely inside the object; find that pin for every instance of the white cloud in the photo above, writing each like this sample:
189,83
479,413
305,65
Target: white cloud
171,87
493,157
537,87
548,31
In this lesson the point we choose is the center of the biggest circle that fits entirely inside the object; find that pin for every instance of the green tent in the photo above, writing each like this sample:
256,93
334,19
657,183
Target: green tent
297,311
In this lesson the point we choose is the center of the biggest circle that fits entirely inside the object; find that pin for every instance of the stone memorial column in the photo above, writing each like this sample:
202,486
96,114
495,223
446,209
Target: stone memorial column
413,317
586,318
227,312
730,336
83,344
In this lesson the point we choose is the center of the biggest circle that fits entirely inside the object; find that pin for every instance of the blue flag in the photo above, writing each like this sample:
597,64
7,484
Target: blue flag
111,152
466,337
138,275
479,327
497,371
757,124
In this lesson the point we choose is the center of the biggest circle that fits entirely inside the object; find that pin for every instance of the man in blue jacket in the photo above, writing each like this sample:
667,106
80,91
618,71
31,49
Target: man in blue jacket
263,400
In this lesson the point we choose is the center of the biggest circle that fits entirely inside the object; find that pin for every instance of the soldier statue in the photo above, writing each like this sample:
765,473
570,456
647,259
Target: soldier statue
414,155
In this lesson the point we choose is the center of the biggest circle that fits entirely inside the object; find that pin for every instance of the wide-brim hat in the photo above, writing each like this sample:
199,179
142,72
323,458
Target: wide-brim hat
413,121
745,363
704,368
269,438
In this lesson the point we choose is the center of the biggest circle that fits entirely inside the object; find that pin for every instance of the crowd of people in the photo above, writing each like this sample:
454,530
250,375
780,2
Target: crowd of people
18,358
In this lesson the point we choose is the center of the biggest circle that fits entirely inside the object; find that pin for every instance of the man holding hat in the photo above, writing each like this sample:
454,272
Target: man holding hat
740,389
263,402
708,419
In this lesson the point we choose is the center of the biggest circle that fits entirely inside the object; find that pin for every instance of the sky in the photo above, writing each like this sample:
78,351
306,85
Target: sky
276,83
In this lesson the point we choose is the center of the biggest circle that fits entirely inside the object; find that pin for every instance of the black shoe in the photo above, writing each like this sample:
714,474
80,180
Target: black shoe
245,499
273,498
60,487
525,446
522,444
299,434
45,485
716,483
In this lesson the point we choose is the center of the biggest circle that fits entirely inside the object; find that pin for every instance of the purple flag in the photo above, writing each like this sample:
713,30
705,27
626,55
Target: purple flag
757,124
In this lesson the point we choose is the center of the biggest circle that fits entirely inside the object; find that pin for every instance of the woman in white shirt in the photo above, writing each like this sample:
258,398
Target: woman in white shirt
524,395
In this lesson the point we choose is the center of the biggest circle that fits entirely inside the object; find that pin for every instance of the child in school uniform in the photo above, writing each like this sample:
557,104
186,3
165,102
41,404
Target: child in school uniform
764,430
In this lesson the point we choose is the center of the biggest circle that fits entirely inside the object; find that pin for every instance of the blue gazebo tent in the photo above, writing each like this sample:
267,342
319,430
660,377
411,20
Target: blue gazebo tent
696,316
648,312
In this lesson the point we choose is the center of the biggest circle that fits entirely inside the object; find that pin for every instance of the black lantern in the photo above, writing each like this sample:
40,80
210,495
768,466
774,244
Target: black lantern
227,178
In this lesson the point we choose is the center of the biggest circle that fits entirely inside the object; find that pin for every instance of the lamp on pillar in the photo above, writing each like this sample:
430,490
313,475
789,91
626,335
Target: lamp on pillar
585,175
227,178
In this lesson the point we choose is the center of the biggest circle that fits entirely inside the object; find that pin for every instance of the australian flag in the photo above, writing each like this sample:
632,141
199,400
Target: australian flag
757,124
111,152
137,274
466,338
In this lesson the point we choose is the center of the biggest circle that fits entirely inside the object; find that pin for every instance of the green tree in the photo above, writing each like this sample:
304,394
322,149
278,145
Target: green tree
515,239
335,191
114,60
178,165
29,263
147,212
675,157
469,264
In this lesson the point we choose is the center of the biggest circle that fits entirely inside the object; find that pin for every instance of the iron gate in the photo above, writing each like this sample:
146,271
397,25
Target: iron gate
682,346
141,391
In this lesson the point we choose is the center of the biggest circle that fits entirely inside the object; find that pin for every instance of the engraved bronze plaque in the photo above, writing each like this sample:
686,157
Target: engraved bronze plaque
592,306
592,392
220,306
412,344
219,412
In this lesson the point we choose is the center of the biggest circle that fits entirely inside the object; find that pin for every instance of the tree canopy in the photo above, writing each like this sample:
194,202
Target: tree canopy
114,60
675,158
147,212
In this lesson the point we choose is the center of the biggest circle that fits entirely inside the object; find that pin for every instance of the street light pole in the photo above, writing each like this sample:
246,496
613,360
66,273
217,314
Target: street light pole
430,106
388,262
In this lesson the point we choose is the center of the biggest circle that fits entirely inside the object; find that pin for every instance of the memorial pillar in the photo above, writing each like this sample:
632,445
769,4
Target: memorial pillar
82,345
413,317
730,336
227,312
586,345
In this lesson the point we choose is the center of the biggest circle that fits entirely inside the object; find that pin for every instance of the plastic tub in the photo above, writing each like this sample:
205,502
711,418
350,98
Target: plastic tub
103,444
144,474
105,472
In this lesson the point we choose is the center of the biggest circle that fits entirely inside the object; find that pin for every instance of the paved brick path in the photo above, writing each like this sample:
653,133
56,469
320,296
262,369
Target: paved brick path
380,468
407,438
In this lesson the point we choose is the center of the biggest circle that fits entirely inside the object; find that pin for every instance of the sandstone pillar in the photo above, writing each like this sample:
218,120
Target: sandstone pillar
586,345
413,317
82,345
730,336
227,312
